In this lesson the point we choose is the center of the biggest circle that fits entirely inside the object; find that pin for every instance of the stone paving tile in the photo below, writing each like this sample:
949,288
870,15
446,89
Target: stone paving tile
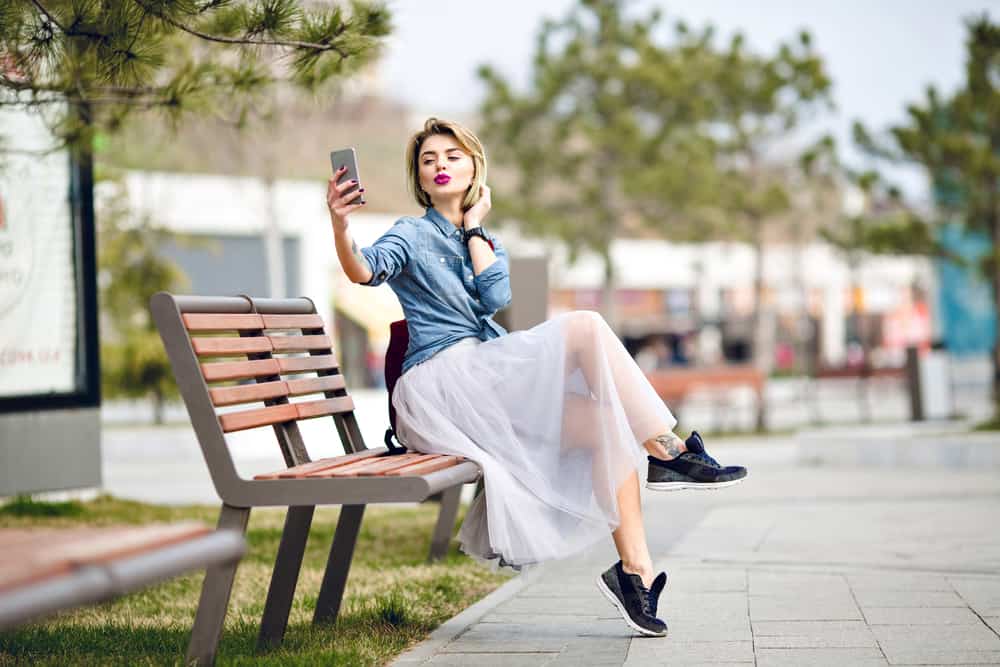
493,659
898,581
868,597
768,583
803,609
507,645
525,631
982,595
915,637
813,634
666,651
497,617
697,580
993,622
949,657
585,652
688,630
576,607
920,616
819,657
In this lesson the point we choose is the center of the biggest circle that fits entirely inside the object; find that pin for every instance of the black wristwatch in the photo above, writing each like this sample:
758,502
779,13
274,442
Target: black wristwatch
475,231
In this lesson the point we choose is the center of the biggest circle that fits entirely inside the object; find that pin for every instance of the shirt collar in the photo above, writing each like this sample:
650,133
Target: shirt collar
440,221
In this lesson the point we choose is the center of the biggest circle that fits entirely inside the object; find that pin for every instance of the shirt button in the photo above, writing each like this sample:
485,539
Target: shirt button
442,260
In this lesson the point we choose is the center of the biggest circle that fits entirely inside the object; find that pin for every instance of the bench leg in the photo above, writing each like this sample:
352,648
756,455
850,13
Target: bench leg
445,523
285,576
331,591
215,592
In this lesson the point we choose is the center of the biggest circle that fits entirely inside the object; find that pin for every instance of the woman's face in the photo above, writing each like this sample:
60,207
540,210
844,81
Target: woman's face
446,170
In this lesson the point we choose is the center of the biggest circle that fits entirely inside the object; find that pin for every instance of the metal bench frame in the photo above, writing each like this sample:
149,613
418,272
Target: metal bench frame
301,496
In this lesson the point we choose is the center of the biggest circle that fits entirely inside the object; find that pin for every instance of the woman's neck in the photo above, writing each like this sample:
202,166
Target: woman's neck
451,210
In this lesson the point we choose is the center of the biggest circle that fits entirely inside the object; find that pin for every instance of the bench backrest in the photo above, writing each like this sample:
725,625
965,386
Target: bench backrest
244,363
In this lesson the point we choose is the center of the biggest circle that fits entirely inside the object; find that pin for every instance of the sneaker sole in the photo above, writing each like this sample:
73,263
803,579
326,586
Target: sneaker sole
613,599
680,486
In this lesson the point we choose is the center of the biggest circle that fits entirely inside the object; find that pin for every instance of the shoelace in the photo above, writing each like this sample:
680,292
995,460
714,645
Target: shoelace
706,458
650,606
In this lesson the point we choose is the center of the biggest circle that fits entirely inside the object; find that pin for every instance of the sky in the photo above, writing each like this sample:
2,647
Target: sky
880,54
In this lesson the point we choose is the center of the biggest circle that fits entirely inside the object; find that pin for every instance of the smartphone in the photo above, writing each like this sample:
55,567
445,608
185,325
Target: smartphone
347,158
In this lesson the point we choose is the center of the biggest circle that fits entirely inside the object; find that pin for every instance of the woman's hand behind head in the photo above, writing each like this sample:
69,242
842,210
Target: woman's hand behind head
478,211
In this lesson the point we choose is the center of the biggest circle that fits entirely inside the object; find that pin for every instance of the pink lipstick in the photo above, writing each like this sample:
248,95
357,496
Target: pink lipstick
441,179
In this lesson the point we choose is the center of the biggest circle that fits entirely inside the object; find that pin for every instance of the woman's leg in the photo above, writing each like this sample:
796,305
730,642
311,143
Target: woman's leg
591,344
630,535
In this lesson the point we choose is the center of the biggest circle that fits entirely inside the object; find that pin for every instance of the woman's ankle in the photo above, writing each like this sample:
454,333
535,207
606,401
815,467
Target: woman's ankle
666,446
644,570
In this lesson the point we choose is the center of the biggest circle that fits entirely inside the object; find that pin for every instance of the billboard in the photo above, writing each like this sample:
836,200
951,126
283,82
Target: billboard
48,343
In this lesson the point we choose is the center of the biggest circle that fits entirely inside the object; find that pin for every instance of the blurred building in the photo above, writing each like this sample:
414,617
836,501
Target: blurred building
676,303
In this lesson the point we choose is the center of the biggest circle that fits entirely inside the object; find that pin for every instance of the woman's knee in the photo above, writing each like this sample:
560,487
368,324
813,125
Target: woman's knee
583,325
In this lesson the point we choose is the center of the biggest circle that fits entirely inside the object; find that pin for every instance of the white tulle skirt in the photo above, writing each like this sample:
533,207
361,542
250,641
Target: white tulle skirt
555,416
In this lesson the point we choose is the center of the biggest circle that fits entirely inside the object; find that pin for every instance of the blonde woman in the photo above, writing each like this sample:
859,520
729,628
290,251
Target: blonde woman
559,417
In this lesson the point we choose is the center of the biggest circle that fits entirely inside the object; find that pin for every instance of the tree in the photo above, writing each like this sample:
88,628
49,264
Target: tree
956,140
131,269
605,142
90,63
763,99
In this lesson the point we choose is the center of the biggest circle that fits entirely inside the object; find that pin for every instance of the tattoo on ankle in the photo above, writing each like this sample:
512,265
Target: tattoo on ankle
671,443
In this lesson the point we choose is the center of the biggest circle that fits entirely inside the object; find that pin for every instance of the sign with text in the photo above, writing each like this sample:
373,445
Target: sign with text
39,277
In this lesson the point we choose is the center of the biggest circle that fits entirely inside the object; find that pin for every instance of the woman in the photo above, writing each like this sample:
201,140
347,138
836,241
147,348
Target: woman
553,415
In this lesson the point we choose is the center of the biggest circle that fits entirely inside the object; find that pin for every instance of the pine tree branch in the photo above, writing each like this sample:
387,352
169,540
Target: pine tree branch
242,41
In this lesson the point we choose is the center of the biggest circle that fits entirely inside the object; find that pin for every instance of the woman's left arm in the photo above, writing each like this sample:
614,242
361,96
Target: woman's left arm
489,264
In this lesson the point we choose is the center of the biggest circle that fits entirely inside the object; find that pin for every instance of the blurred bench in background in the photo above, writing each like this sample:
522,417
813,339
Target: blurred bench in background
46,570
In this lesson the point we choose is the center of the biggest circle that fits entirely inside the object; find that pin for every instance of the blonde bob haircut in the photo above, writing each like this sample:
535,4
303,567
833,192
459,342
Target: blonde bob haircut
469,143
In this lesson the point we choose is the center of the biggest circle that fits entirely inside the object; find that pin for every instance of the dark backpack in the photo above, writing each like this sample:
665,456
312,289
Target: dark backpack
399,339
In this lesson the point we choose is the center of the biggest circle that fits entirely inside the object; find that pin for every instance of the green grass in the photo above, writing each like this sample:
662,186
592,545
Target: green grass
393,600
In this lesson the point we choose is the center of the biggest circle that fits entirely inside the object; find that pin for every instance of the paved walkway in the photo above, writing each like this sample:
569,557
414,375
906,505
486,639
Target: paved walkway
797,566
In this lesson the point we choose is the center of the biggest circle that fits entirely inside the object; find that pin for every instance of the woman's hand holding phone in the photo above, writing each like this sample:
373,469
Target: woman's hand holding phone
340,204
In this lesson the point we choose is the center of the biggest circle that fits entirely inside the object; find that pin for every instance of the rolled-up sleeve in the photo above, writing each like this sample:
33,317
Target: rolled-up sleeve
493,284
391,252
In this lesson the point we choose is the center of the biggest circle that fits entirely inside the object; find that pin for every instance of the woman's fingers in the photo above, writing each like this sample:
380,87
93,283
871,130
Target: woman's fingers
346,185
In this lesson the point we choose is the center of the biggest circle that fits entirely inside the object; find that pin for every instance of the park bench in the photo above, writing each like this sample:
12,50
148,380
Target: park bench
45,570
284,358
676,383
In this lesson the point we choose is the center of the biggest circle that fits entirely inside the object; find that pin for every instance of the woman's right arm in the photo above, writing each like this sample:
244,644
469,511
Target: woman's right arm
355,265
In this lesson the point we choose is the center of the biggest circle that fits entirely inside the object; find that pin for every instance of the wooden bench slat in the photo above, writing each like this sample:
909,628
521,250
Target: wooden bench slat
222,321
231,346
315,385
300,343
349,470
321,464
248,393
236,370
311,321
302,364
426,466
388,463
327,406
275,414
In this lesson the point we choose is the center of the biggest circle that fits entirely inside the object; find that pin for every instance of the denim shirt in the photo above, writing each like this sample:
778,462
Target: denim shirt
429,268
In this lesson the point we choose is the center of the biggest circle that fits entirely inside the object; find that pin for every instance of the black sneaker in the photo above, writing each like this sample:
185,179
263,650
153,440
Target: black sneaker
635,602
694,469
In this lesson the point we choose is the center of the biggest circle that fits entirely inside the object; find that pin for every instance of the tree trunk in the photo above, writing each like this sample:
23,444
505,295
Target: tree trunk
159,406
762,354
609,301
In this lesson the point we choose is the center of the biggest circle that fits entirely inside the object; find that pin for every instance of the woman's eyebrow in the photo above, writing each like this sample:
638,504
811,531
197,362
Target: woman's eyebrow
447,150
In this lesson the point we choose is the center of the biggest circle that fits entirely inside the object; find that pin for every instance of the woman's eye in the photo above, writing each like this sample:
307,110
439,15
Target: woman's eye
454,157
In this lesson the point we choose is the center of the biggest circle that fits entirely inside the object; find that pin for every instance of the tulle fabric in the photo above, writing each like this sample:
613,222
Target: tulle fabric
555,416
